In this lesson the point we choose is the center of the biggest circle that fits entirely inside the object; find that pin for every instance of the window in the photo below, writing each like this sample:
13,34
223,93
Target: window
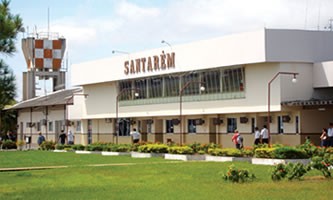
297,124
233,80
191,126
231,125
50,126
211,81
156,87
169,126
194,87
149,126
78,126
124,126
141,87
125,87
171,86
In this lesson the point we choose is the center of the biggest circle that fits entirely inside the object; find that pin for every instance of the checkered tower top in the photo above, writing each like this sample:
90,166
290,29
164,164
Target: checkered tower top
48,54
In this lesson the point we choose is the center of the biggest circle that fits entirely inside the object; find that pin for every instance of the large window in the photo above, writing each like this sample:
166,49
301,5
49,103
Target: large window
231,125
78,126
50,126
222,82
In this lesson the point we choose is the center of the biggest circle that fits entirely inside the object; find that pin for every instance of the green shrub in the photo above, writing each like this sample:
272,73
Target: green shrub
289,153
279,172
78,147
94,147
238,175
48,145
117,147
225,152
63,147
311,149
247,151
153,148
264,152
322,164
180,150
9,144
291,171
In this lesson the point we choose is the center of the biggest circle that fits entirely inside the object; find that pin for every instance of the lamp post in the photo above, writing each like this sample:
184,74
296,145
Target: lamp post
67,103
202,88
167,43
136,94
294,80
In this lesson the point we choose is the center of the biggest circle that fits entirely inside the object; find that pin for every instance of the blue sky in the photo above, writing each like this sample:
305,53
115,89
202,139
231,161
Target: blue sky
94,28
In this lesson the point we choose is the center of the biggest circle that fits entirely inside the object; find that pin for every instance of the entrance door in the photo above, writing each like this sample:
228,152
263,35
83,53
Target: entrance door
158,123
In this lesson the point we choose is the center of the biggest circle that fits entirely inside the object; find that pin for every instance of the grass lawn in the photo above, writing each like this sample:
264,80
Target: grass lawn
148,179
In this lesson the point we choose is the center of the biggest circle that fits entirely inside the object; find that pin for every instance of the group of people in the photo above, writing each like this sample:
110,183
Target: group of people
260,137
62,138
326,136
9,136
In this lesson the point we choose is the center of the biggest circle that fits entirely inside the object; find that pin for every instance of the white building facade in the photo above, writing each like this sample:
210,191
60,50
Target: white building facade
160,91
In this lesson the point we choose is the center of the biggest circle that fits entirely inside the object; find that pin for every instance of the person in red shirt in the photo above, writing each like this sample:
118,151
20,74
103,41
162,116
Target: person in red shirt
234,139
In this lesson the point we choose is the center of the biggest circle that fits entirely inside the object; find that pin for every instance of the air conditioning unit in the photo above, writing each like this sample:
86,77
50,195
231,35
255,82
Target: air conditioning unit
199,121
149,121
175,121
243,120
286,118
270,119
217,121
132,121
30,124
43,122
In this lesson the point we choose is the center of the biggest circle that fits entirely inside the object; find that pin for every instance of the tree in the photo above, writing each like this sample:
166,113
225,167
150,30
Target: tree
10,26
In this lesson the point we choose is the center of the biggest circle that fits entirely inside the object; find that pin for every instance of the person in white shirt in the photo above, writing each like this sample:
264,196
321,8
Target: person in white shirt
330,135
135,136
256,136
264,135
70,137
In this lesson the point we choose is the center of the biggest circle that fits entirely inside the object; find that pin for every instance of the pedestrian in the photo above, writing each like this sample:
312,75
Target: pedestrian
323,138
237,139
62,137
256,136
329,142
40,138
135,136
70,137
264,135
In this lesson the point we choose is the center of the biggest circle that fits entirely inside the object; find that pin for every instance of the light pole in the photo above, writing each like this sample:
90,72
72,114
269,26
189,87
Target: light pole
136,94
167,43
67,103
202,88
294,80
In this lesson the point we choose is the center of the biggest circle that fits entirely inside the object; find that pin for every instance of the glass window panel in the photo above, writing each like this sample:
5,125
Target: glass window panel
171,86
156,87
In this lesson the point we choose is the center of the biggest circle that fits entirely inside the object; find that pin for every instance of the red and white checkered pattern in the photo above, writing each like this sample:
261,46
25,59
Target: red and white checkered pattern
48,54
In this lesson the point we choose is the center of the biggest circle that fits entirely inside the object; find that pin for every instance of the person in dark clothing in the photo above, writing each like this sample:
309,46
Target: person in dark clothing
62,137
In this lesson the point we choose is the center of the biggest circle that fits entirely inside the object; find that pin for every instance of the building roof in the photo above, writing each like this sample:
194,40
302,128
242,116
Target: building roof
61,97
312,102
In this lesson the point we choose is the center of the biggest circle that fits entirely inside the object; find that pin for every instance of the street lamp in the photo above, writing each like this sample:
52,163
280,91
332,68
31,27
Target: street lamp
122,52
294,80
67,103
202,88
167,43
136,94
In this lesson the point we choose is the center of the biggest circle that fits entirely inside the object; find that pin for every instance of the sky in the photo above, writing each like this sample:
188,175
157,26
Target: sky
93,28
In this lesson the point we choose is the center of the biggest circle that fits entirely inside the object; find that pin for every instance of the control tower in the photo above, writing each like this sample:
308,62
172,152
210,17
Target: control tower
43,53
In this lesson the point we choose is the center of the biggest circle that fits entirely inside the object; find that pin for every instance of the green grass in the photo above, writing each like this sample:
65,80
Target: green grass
148,179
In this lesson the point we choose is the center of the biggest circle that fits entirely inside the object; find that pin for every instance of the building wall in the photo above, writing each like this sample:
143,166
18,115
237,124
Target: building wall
322,74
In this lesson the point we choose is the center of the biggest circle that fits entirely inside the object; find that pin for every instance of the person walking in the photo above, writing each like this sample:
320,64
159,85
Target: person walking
323,138
40,138
264,135
135,136
256,136
237,139
62,137
70,137
330,135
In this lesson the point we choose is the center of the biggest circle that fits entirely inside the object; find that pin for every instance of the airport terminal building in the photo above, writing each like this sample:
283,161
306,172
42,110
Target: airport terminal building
203,91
